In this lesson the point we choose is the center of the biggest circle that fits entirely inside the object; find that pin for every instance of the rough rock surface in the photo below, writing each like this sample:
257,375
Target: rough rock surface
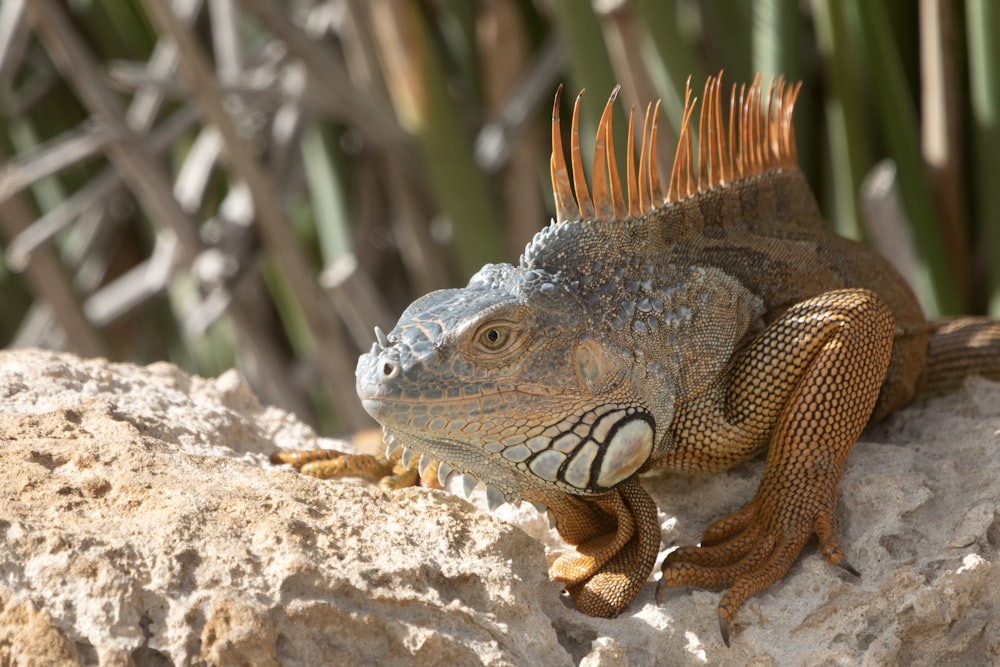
141,524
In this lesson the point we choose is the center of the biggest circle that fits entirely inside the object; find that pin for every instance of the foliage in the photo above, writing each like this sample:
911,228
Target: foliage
257,183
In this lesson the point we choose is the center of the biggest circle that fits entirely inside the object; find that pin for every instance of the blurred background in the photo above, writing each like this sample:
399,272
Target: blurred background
257,183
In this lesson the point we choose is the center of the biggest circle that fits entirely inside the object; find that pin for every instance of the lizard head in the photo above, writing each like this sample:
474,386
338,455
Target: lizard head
556,374
505,379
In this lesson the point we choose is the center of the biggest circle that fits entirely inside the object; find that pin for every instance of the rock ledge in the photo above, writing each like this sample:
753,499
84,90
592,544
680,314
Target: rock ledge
141,525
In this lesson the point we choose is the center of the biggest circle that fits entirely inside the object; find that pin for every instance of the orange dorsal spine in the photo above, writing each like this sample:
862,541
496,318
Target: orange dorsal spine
760,138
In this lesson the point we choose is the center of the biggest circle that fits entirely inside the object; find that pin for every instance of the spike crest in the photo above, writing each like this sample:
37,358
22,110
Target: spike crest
759,138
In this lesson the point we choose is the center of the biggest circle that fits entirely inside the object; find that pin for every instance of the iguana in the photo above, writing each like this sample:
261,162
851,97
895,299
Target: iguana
689,331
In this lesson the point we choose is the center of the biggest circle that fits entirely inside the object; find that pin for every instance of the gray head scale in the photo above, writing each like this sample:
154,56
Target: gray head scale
505,379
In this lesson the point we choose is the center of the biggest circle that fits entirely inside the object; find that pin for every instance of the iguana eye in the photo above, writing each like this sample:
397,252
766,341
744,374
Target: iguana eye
494,337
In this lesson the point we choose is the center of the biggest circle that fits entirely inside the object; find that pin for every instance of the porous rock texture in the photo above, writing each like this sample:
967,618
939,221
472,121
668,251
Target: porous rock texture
141,524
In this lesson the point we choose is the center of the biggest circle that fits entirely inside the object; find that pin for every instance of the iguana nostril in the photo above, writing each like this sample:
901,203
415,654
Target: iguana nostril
389,370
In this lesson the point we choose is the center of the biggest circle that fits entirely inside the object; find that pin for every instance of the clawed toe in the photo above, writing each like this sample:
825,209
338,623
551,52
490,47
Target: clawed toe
743,554
389,473
764,564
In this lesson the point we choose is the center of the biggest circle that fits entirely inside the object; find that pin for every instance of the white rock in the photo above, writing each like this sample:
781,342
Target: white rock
140,522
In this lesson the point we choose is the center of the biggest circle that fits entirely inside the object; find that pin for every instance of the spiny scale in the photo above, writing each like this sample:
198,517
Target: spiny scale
760,138
443,471
468,484
422,464
494,498
407,457
391,445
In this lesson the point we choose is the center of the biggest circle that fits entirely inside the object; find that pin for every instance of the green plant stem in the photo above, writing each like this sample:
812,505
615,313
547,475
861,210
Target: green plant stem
426,109
983,26
675,60
900,129
849,139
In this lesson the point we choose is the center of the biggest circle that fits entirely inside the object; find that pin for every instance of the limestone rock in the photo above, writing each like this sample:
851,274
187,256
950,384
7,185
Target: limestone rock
141,524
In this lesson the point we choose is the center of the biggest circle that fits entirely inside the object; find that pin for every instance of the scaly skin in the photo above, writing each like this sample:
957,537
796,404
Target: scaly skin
690,332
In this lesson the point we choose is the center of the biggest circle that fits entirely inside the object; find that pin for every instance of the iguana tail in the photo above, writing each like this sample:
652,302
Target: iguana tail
957,349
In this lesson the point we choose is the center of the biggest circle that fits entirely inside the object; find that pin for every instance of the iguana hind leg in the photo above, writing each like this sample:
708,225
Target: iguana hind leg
806,388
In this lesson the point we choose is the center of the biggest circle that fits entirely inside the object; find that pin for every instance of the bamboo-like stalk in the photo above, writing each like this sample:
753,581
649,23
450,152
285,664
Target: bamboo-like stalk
403,200
848,135
674,60
982,19
424,107
774,39
625,38
941,136
326,193
898,121
726,25
504,54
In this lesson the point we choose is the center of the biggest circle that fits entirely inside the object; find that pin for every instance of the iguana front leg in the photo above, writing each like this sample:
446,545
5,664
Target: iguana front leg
616,538
804,389
389,471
